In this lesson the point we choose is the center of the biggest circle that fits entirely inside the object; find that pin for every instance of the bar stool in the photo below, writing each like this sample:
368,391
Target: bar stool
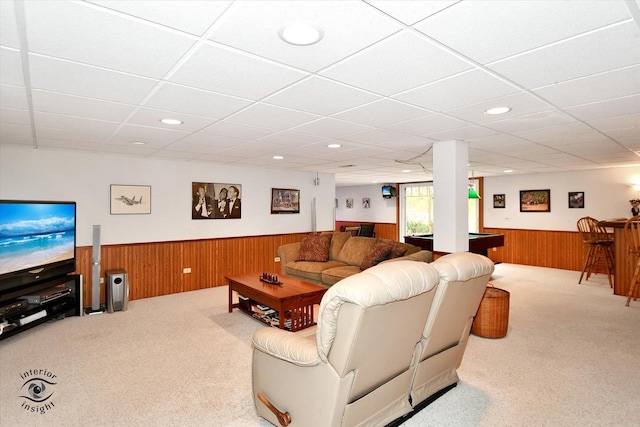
600,245
632,236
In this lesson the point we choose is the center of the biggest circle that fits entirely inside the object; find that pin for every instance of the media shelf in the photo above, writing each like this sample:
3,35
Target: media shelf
31,315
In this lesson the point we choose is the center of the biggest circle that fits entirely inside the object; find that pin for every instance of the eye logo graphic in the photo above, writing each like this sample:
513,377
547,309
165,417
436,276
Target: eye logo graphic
37,390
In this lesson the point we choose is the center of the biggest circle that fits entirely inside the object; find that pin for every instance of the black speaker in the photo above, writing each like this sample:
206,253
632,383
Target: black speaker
116,290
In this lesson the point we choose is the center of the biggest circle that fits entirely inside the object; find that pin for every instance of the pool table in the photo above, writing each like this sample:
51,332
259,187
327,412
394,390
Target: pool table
479,243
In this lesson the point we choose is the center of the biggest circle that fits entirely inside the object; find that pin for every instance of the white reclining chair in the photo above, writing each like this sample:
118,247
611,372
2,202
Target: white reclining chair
463,279
358,369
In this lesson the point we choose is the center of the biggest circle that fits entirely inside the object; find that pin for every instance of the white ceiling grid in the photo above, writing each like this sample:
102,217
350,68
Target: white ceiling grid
387,80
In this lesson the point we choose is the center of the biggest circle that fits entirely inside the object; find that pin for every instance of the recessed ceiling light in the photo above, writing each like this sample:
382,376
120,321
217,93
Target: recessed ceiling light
278,157
334,145
508,170
301,34
497,110
406,171
138,142
171,121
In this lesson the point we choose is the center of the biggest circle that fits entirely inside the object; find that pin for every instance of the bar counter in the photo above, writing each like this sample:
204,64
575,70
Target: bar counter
624,260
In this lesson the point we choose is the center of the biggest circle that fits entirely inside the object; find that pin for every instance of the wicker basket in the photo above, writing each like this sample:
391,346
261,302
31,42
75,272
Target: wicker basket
492,318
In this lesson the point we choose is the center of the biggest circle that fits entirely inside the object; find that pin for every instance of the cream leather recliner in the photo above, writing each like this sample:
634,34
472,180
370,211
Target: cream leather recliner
361,367
463,279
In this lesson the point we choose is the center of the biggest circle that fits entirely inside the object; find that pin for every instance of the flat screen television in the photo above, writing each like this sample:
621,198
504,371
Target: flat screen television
37,242
388,191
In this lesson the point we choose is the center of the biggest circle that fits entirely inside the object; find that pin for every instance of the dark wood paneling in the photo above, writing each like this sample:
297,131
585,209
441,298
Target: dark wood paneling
157,268
542,248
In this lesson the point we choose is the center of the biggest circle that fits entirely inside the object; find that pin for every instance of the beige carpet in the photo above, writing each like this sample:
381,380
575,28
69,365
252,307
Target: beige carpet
571,357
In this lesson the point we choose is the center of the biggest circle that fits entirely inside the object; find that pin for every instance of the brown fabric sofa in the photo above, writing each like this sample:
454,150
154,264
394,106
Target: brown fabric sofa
346,256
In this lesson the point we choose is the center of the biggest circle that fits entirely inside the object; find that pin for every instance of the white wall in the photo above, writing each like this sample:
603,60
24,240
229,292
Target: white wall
29,174
380,210
607,195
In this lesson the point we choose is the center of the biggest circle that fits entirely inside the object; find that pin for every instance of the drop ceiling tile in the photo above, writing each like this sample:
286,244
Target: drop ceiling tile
13,97
12,133
69,105
428,124
408,63
604,109
495,30
270,116
375,136
100,128
462,89
131,150
209,140
8,28
336,97
592,53
54,28
381,113
347,27
61,142
464,133
293,138
150,135
150,117
619,122
93,82
413,145
599,87
195,102
236,130
11,67
410,12
223,70
521,104
554,132
531,121
194,19
13,116
330,128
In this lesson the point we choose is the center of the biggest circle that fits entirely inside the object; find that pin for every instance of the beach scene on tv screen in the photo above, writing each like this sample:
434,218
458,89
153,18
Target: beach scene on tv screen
33,235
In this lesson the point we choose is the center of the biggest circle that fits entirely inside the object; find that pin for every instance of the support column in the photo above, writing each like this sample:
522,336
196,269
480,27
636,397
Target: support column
450,190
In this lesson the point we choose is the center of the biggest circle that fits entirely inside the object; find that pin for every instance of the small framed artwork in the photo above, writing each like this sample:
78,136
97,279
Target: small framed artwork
130,199
576,200
499,201
535,200
349,204
285,201
366,203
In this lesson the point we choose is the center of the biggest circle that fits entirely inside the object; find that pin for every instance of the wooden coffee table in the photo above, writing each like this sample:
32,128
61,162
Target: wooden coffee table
293,298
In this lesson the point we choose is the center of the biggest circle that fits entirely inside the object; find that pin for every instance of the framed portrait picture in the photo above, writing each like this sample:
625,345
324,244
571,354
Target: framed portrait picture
130,199
216,201
285,201
366,203
576,200
349,203
499,201
535,200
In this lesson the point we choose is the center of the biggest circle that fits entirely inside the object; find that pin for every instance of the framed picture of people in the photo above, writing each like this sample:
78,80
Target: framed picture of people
216,201
202,200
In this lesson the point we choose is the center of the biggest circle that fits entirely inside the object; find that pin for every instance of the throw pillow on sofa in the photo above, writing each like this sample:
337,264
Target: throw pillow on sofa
379,253
315,248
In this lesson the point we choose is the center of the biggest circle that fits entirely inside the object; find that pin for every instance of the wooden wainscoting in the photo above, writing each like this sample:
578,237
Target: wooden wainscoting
157,268
542,248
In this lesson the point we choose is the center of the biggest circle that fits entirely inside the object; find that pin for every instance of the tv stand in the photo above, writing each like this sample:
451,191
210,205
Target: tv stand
35,314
